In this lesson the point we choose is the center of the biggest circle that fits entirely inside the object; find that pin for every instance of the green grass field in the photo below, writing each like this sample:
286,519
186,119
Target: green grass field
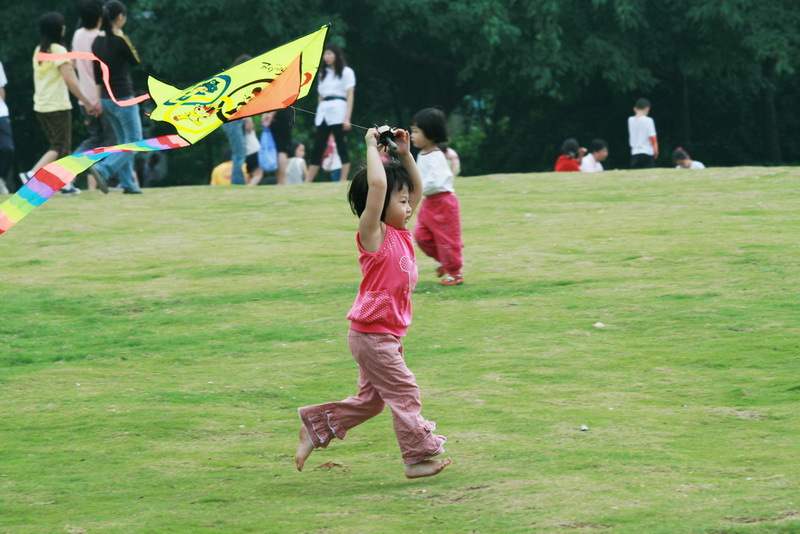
154,349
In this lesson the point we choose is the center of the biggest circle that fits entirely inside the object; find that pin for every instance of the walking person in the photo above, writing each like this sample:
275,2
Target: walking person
115,50
99,128
53,82
438,228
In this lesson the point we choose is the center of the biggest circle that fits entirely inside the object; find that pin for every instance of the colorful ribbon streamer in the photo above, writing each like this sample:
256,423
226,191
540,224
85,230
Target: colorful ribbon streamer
52,177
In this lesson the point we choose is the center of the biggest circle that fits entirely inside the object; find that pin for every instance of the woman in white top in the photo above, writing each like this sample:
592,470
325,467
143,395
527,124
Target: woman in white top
335,106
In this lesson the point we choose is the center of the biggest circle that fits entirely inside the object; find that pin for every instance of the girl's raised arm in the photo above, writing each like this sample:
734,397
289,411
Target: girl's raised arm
370,228
403,152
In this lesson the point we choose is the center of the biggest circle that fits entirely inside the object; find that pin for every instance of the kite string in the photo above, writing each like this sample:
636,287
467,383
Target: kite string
312,113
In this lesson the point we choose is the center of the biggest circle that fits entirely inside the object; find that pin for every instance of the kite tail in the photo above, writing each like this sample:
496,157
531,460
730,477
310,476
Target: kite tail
52,177
46,56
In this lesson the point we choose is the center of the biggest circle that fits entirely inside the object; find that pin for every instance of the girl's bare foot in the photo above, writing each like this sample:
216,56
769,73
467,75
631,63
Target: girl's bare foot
428,468
304,449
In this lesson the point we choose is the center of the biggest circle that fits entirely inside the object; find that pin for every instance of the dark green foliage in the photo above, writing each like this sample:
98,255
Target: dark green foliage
518,76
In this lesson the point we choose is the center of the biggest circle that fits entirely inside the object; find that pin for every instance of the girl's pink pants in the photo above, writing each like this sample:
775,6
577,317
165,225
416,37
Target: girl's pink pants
383,378
438,230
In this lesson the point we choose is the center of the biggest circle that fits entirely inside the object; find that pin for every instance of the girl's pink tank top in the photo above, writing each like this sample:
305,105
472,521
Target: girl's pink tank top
383,303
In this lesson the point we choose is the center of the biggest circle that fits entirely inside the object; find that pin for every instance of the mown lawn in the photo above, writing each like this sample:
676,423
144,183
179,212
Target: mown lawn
154,349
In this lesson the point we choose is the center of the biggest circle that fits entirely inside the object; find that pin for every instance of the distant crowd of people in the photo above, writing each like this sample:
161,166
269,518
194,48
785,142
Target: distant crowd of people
643,142
107,123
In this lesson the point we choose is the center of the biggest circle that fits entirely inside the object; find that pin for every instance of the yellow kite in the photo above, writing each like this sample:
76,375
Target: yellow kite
197,111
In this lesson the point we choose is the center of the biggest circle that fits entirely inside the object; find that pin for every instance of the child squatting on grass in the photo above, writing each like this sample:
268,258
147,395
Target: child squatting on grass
384,196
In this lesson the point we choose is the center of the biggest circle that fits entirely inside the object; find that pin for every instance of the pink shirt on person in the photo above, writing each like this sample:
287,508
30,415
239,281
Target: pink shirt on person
82,42
383,303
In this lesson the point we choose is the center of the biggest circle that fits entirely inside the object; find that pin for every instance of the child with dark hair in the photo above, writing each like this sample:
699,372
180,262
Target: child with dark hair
642,136
438,228
570,158
683,160
384,196
593,160
53,82
296,168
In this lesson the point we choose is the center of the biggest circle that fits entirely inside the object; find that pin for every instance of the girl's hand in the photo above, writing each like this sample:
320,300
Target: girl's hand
372,137
403,141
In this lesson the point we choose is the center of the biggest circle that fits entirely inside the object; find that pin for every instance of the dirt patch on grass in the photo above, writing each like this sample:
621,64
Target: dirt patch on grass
740,414
458,495
790,515
583,525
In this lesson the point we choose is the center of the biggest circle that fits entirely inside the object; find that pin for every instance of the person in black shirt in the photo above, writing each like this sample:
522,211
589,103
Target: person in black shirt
115,50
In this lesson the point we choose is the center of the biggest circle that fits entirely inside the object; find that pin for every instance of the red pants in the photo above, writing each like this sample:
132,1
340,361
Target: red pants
438,230
383,378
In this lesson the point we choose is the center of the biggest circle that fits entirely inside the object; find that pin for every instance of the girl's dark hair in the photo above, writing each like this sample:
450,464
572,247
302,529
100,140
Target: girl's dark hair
570,148
396,178
113,9
433,124
90,12
51,26
679,155
597,145
338,64
293,148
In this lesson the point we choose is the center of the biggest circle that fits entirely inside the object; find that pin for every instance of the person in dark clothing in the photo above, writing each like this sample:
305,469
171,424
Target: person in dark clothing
115,50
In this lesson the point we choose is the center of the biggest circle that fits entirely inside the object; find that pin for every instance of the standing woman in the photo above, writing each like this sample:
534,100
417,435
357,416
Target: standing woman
335,106
115,50
53,81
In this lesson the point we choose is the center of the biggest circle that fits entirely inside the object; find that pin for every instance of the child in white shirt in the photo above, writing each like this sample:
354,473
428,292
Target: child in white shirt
438,228
296,169
593,161
683,160
642,136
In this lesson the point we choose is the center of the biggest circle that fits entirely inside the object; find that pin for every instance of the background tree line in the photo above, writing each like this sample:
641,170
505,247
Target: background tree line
516,76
